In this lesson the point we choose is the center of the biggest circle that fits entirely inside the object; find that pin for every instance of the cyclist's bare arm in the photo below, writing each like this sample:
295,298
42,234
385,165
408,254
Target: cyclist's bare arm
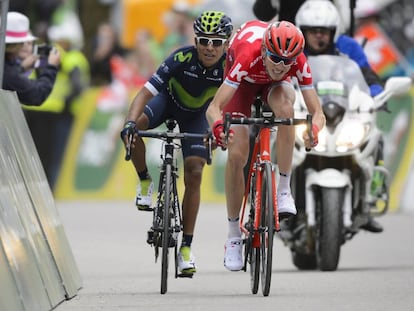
214,111
138,103
222,97
135,111
315,109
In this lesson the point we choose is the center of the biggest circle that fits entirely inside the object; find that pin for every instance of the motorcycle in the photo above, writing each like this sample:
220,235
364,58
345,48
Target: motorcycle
332,183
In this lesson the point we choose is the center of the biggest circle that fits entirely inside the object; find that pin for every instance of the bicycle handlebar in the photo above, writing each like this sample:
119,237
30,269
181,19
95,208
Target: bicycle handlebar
267,120
169,136
173,135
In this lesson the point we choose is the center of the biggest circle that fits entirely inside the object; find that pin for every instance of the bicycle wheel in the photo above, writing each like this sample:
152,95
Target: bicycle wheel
267,229
166,228
251,249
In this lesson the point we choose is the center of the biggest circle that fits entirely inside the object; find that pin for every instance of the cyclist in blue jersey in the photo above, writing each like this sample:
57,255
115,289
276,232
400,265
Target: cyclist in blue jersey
182,88
319,21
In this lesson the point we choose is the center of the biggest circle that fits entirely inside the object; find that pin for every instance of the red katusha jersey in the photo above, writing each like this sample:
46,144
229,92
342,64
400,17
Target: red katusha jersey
244,59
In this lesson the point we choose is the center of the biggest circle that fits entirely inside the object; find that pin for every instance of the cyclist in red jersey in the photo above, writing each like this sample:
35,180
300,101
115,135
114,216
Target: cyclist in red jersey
261,59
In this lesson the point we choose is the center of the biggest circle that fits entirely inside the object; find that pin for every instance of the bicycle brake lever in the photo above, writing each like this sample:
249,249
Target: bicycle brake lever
210,147
309,129
128,148
227,123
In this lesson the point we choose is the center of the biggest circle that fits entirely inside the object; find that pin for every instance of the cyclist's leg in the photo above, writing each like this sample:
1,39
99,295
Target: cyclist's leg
153,115
237,156
239,105
280,98
195,157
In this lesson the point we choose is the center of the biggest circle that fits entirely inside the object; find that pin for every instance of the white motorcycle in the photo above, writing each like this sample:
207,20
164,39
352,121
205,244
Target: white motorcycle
332,183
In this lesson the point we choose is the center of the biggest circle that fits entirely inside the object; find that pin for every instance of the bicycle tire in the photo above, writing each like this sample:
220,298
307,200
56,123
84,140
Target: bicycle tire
166,229
267,228
253,252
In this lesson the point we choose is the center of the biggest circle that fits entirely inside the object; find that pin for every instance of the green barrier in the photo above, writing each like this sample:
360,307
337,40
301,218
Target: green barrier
94,165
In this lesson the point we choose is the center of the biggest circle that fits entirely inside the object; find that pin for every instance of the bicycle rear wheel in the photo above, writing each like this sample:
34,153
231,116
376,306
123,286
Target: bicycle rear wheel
267,229
166,228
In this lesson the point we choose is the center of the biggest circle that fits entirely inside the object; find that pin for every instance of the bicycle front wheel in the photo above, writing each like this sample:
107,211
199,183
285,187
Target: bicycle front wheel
252,249
166,228
267,228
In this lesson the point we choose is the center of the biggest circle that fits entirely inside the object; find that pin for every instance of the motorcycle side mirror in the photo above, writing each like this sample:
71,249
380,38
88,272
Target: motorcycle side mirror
398,85
393,86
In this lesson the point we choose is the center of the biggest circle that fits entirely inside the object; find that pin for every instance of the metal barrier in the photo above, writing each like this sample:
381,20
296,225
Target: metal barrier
37,267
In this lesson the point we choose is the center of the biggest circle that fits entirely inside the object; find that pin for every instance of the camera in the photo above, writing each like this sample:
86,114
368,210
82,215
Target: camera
42,49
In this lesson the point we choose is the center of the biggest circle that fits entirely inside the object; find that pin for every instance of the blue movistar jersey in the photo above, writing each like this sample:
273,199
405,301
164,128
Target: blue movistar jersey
188,84
182,90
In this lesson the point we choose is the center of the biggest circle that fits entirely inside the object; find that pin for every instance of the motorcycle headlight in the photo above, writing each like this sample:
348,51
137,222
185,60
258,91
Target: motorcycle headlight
300,129
351,136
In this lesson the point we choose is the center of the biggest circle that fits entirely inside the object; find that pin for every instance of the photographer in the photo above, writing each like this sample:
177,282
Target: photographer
15,78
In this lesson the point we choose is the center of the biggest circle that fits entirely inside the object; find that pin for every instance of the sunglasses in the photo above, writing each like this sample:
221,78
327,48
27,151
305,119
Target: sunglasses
278,60
216,42
315,30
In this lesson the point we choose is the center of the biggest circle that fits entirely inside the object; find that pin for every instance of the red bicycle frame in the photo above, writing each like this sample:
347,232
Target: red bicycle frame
261,154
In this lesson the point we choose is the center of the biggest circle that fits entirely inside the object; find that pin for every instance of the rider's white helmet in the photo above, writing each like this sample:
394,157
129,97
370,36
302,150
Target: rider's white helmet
318,13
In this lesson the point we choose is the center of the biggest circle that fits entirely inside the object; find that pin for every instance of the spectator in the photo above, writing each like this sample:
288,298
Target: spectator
146,55
29,92
50,124
179,21
106,45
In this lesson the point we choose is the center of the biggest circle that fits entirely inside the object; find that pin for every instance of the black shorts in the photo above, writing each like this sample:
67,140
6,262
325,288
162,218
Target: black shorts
162,107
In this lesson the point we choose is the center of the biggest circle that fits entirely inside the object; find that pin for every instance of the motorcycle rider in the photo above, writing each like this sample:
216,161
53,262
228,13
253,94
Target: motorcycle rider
319,21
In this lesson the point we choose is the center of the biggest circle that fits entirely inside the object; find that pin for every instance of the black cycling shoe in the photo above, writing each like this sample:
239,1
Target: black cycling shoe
372,226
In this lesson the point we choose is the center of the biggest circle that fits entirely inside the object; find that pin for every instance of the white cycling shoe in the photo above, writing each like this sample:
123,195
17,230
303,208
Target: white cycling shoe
285,203
233,259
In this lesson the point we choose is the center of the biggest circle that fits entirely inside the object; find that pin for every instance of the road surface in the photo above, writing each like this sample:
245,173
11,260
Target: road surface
376,271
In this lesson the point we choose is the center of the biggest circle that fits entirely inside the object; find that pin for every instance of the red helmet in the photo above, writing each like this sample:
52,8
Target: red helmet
284,40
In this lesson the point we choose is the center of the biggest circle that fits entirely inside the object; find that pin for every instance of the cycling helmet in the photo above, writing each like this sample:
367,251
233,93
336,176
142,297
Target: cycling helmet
213,23
318,14
284,40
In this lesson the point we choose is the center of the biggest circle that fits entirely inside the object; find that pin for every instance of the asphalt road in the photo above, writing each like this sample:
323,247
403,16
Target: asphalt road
376,271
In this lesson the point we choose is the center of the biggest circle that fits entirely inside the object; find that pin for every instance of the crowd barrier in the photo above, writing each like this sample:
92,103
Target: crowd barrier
37,267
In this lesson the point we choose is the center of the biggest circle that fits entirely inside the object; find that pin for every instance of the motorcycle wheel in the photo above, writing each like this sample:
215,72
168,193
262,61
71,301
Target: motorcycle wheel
329,235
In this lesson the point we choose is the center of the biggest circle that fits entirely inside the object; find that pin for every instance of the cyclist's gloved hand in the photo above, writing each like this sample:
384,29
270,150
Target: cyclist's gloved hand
315,133
306,138
218,132
129,129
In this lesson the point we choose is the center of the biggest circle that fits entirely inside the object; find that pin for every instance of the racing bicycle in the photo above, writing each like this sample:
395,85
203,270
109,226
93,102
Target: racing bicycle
167,220
259,218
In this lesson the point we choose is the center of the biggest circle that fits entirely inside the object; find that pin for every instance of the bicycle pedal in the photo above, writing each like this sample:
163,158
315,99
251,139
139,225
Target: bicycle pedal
283,216
145,208
150,237
185,275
